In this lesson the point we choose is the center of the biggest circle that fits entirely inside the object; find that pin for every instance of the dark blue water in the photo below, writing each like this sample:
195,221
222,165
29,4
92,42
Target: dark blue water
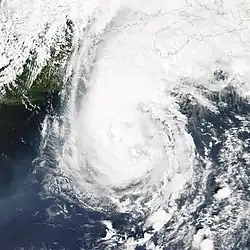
29,220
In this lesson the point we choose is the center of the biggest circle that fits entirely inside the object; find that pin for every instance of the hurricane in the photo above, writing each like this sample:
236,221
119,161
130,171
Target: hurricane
151,138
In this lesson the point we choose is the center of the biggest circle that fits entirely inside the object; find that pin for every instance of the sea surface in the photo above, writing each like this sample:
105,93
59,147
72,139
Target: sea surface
147,145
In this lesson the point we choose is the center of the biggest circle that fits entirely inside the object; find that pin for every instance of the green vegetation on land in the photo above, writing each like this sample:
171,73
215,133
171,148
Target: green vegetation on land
50,78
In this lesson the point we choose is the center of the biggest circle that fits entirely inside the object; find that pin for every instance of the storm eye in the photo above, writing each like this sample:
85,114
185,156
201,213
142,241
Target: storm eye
220,75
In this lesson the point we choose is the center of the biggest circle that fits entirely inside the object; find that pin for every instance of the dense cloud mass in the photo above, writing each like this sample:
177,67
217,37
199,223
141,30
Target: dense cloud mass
152,135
